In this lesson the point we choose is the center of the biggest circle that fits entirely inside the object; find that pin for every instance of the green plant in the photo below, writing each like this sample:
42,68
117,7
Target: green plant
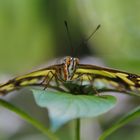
64,107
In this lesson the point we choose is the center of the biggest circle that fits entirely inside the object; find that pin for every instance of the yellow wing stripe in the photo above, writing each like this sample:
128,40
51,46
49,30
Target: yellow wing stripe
123,76
28,82
83,77
35,74
7,87
113,83
99,72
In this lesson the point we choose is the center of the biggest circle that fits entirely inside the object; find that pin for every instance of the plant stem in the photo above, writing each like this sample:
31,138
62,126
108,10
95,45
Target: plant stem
130,116
77,129
29,119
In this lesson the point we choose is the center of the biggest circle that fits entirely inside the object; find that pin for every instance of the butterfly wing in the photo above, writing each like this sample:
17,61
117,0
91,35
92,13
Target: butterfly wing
119,79
33,78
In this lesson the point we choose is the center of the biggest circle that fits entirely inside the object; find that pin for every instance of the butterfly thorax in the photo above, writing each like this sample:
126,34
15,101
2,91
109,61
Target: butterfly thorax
69,66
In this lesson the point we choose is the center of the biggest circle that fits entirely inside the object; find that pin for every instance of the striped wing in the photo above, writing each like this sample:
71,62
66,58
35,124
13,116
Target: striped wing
119,79
33,78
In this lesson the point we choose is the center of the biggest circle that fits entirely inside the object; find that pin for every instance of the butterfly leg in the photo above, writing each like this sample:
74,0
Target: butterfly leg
47,79
90,79
91,83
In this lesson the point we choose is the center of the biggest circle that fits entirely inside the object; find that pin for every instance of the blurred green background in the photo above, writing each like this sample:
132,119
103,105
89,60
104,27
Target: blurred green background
32,32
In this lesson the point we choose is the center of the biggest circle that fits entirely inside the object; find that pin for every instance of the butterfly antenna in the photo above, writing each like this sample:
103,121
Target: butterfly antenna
87,39
92,34
69,36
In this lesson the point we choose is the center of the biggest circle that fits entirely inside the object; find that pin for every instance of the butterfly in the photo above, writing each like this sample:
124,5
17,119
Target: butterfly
71,71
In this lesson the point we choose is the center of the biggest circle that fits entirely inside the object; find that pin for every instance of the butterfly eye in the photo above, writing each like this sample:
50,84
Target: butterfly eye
68,60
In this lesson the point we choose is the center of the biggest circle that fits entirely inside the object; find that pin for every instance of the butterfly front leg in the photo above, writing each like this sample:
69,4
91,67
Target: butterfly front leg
48,78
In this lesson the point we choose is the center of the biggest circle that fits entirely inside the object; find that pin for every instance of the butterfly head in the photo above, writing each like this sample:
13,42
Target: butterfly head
69,68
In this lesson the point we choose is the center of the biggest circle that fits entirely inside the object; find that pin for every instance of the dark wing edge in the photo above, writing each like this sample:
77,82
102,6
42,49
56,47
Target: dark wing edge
129,81
34,78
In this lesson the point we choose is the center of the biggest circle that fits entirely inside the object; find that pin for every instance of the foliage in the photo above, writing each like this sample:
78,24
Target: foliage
64,107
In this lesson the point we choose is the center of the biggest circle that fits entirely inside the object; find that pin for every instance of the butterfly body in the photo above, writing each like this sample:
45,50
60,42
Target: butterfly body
69,66
71,70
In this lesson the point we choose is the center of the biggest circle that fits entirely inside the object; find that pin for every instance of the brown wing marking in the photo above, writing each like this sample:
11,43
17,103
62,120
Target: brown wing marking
33,78
125,79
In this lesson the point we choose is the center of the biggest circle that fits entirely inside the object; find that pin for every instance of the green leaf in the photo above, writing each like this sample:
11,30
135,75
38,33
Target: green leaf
123,121
29,119
63,107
